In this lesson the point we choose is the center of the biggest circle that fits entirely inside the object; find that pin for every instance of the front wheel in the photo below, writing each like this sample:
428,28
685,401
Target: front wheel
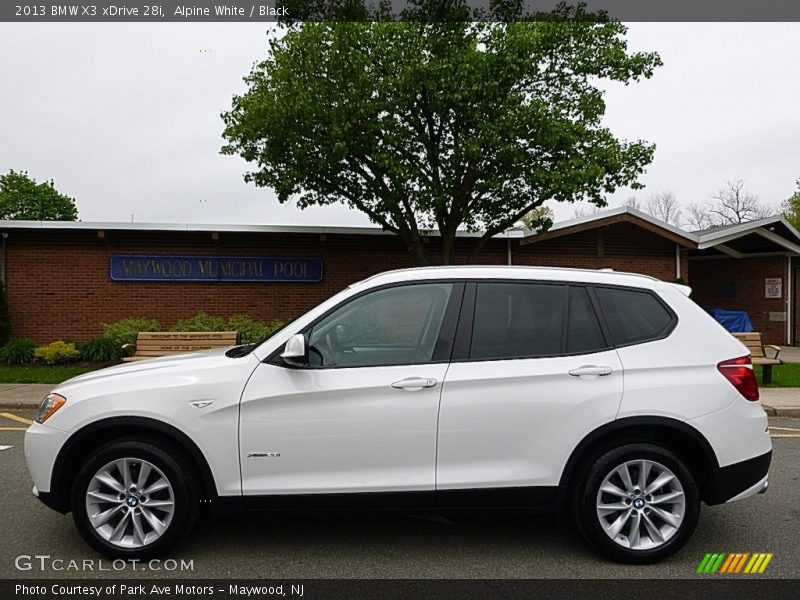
638,504
134,499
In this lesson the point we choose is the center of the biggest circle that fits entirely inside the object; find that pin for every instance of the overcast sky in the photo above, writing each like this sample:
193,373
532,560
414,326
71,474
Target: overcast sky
125,117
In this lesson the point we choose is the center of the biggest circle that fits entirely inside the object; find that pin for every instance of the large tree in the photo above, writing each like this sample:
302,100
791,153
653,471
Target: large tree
439,125
791,207
23,199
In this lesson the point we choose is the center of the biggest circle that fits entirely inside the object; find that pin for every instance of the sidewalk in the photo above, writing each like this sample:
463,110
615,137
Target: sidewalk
778,402
23,395
790,354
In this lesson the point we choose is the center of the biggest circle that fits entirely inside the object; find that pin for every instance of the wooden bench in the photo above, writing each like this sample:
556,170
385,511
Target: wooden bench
758,352
151,344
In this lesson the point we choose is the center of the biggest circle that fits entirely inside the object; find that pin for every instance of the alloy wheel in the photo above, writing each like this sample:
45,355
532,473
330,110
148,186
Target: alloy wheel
130,503
641,504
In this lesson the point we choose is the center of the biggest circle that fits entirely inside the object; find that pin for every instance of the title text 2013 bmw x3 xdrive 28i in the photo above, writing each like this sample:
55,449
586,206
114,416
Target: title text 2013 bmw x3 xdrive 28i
610,394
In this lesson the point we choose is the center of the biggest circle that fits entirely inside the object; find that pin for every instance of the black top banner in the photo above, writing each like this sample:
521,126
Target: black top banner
289,11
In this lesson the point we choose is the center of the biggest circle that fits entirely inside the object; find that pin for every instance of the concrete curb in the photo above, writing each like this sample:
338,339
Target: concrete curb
19,405
788,412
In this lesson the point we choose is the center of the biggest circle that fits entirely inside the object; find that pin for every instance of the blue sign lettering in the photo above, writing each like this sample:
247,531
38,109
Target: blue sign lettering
147,267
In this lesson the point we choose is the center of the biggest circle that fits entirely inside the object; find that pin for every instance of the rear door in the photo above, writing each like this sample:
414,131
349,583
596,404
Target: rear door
532,374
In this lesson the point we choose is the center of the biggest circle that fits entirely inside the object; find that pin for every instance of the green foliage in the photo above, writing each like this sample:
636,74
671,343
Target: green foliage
124,331
440,125
252,331
21,198
791,207
17,352
5,319
57,353
539,219
201,322
100,350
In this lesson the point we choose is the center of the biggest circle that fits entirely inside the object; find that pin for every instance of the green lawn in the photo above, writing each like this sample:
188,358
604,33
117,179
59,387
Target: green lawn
39,374
785,375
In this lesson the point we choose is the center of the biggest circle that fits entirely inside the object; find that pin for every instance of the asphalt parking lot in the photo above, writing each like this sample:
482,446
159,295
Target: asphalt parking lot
400,546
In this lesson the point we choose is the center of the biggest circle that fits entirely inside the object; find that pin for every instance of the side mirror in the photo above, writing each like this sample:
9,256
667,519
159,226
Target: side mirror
295,352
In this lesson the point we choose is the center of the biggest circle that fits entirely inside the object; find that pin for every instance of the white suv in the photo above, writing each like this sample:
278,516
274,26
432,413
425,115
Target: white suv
610,395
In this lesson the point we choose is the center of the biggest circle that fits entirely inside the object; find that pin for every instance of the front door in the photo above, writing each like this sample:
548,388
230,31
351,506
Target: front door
361,415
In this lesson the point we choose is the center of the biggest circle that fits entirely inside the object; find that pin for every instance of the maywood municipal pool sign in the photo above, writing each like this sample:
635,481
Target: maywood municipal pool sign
147,267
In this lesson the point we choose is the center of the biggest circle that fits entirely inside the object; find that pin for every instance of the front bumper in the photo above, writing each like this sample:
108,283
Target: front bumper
42,445
49,500
741,480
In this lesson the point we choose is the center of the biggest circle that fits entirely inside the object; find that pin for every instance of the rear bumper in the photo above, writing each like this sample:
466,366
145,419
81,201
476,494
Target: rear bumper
741,480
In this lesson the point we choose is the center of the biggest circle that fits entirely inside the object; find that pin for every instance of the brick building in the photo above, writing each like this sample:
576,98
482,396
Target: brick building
64,279
754,267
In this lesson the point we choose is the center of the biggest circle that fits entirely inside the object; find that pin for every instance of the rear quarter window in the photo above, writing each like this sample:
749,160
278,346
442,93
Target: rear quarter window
634,316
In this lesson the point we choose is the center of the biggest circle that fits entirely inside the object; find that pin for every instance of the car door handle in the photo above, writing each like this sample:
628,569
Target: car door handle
413,384
591,370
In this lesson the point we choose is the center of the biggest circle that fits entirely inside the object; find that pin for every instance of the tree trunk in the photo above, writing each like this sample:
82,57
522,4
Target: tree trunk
476,249
418,252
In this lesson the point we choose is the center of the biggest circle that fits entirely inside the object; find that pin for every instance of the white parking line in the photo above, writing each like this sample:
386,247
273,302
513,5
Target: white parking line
5,447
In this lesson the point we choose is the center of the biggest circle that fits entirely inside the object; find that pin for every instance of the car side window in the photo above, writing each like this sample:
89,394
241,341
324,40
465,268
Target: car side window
514,320
393,326
634,316
583,329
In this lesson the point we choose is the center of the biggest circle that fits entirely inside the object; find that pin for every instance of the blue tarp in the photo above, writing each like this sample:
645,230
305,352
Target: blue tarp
735,321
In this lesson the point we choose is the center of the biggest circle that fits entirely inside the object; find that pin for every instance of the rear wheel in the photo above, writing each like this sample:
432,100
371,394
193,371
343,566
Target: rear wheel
638,503
134,499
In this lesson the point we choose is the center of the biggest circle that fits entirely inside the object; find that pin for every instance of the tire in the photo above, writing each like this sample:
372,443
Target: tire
666,513
139,525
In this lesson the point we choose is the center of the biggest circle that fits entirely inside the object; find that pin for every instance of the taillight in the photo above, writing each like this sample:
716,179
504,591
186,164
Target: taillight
739,371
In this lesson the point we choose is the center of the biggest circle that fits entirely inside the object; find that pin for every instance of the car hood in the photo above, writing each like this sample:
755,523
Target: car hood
203,359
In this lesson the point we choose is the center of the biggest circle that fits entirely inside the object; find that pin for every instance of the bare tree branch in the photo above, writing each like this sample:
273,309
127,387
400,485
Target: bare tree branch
734,204
664,207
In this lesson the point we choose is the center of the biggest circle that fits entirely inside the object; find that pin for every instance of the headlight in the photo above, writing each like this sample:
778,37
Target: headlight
48,407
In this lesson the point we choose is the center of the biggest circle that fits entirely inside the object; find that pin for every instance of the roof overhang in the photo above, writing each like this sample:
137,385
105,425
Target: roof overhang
611,217
228,227
729,240
776,230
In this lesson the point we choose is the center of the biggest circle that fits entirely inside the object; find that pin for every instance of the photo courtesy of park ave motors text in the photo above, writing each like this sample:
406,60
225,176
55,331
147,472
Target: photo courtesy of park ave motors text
348,297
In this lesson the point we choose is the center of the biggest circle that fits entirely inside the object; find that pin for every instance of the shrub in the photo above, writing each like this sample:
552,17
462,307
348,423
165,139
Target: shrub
100,350
275,325
252,331
5,320
124,331
201,322
18,352
57,353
